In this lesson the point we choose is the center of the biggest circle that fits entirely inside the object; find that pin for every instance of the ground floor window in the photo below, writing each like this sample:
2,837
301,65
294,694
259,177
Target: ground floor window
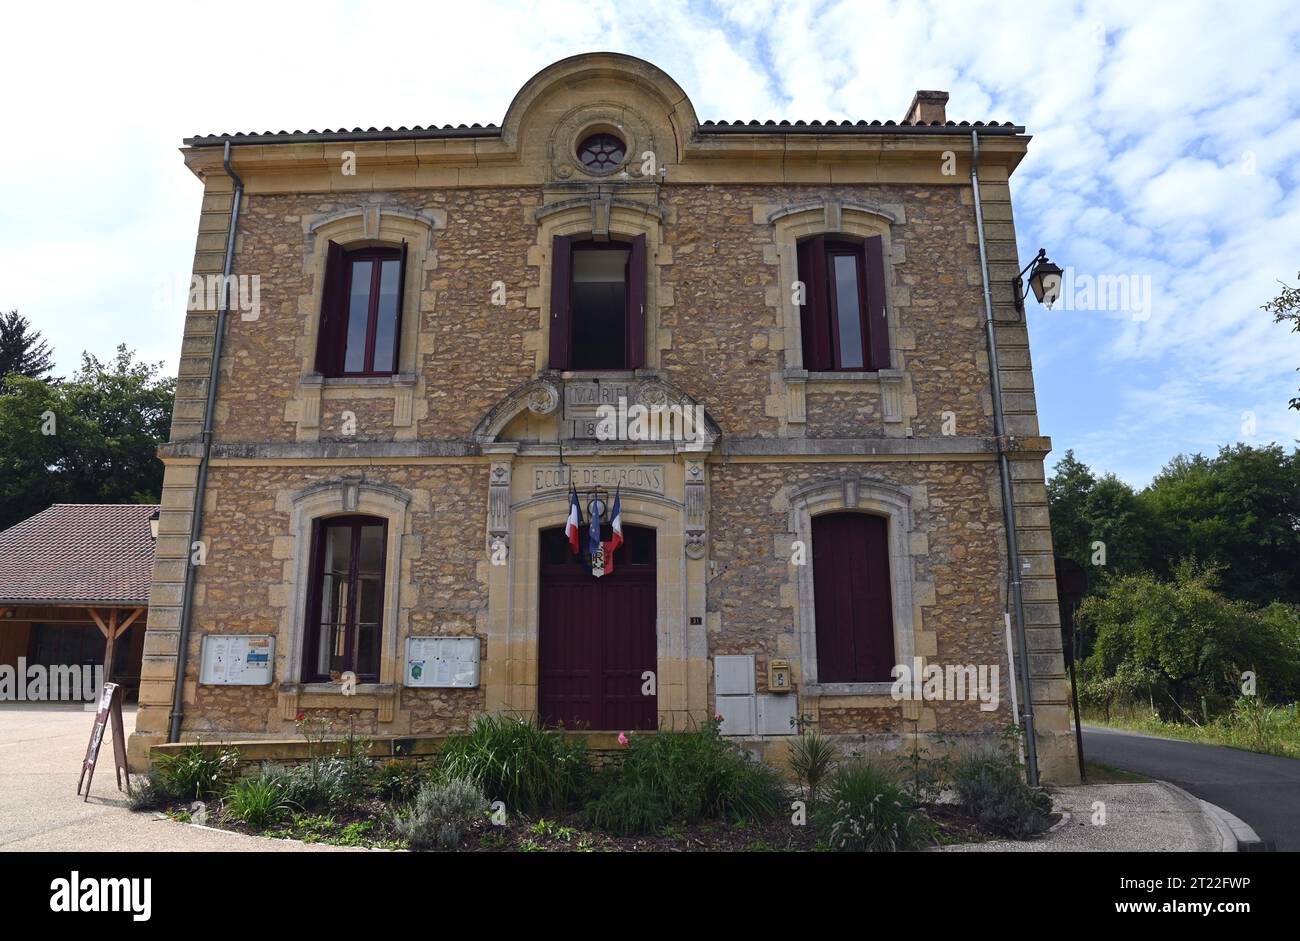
345,605
851,596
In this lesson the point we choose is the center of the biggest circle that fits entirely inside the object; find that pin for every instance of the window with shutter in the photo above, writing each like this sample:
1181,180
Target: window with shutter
598,297
361,311
844,324
851,598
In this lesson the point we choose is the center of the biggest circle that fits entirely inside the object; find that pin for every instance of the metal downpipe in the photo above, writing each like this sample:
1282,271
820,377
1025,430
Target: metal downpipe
200,486
1004,469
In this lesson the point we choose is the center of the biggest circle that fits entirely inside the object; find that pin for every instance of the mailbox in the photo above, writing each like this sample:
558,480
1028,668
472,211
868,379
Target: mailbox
779,679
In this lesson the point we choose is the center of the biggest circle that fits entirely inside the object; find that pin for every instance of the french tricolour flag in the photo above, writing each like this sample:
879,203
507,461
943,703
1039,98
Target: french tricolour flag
616,534
573,526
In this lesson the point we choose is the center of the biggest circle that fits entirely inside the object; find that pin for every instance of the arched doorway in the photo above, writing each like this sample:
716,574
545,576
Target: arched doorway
596,636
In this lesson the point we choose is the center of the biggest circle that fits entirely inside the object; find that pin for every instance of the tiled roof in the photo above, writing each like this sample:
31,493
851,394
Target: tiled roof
706,128
73,552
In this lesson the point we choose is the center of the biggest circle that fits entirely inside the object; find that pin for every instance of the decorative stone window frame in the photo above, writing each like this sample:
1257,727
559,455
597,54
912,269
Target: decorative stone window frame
907,596
858,220
364,227
321,501
600,117
601,216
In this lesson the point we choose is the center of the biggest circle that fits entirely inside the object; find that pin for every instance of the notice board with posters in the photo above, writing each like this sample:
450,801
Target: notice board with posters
237,660
442,661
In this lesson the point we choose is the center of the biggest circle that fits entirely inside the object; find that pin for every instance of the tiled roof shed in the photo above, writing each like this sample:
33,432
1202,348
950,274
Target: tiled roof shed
79,554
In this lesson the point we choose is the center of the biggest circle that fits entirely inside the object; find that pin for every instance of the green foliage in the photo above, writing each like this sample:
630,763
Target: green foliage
1176,643
991,787
443,812
532,770
149,792
1286,308
324,783
259,801
1250,724
194,773
22,351
683,778
812,757
867,810
397,780
1086,510
107,422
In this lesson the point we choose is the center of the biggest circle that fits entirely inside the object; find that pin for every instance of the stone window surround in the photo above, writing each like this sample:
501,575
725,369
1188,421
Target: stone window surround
859,495
359,227
349,495
600,216
822,216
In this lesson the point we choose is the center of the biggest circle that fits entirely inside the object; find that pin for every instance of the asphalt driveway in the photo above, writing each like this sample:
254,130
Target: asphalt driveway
1263,790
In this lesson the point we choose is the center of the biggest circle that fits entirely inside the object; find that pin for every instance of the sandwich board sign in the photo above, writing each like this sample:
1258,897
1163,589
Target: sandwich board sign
110,710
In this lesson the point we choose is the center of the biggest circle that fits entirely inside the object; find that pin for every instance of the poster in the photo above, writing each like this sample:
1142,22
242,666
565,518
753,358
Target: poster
442,661
237,660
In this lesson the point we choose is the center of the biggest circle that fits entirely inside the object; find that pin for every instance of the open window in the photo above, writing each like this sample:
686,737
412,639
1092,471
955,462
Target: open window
361,311
843,319
852,598
598,304
346,598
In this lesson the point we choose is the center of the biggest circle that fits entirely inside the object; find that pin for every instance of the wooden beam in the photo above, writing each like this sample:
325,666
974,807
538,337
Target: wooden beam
129,621
99,622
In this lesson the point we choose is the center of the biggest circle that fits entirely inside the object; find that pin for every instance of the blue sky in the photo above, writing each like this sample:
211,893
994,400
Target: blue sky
1166,149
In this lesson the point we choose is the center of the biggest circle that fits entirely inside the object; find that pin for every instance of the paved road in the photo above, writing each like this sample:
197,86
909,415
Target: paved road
1263,790
41,748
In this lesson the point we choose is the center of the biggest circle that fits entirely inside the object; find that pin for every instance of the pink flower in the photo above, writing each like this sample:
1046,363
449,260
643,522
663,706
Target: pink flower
718,717
622,739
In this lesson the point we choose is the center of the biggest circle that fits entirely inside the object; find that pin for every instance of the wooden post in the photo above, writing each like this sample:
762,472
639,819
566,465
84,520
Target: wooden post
112,631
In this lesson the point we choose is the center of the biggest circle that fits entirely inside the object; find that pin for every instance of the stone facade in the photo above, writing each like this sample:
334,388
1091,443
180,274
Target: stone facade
458,450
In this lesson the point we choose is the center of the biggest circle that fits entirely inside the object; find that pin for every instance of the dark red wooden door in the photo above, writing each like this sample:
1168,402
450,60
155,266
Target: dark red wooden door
597,636
855,622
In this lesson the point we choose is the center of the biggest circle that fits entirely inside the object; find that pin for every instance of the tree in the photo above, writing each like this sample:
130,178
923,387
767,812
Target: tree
1286,307
1097,522
89,439
1175,643
1240,511
22,350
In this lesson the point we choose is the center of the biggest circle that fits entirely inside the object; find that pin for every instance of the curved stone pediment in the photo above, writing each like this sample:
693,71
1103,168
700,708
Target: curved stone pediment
600,413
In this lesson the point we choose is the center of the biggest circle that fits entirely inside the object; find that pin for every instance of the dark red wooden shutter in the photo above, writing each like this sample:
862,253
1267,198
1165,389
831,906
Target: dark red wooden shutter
815,321
852,601
328,340
561,300
877,321
636,277
401,304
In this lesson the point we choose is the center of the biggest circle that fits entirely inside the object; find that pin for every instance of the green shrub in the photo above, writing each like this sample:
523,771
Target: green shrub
683,778
148,792
442,813
812,758
992,788
259,802
324,783
397,780
867,810
195,774
532,770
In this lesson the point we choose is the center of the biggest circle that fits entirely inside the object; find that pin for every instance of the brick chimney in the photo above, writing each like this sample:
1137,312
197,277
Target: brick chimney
927,106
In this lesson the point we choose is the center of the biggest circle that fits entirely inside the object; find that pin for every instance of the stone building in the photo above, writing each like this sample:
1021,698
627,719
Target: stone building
766,341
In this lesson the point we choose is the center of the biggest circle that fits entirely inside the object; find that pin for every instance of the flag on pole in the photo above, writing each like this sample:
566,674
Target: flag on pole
573,526
595,548
616,540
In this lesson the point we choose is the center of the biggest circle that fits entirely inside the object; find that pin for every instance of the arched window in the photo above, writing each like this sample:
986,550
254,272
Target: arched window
346,598
851,593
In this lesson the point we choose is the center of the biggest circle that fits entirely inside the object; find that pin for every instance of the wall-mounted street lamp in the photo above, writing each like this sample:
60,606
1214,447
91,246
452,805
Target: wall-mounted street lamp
153,524
1044,280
